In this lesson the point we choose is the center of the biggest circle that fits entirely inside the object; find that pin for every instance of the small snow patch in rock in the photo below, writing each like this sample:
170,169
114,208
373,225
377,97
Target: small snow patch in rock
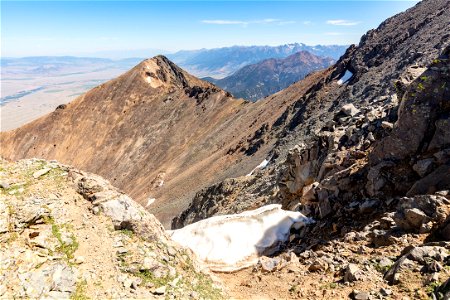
261,166
345,78
150,202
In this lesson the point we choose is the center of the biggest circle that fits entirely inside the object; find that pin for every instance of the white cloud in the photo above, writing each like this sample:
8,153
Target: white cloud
342,22
265,21
286,22
224,22
246,23
306,22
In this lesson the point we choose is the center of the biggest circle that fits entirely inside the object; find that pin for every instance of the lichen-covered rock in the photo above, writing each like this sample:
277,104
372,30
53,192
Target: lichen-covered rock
413,256
4,216
352,273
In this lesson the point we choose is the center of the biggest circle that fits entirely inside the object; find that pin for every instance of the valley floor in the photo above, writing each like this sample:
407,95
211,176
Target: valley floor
25,98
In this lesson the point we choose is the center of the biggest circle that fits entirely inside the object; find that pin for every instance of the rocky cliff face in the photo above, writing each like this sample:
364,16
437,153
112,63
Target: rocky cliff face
269,76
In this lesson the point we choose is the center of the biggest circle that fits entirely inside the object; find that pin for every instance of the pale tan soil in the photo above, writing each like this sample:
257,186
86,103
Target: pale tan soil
295,281
28,108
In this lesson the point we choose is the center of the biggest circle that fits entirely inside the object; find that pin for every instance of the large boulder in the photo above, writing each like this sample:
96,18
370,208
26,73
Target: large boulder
123,211
422,213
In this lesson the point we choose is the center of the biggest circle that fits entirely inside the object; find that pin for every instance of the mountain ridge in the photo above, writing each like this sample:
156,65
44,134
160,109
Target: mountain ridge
157,135
125,129
377,70
269,76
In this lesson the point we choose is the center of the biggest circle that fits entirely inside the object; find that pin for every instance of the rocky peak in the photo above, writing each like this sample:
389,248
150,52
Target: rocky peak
154,118
256,81
159,71
347,141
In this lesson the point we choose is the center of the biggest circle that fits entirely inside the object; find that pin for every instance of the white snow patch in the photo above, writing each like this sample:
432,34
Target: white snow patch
232,242
150,202
161,183
345,78
261,166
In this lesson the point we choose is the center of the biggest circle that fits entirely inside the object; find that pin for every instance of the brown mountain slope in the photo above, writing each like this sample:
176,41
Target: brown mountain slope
155,132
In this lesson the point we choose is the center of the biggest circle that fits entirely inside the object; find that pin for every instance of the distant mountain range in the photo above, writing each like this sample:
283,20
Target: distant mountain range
217,63
269,76
221,62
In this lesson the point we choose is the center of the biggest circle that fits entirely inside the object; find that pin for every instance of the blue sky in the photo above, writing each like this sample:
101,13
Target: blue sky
98,27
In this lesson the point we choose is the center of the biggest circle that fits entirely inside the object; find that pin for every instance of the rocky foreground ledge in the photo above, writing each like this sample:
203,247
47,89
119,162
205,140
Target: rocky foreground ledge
69,234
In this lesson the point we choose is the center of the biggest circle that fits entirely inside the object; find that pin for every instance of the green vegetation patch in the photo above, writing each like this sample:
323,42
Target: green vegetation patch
127,232
432,287
199,282
420,87
26,185
68,249
382,269
148,276
80,291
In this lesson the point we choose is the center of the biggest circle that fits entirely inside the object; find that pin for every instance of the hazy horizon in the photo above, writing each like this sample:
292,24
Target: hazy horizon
143,53
116,29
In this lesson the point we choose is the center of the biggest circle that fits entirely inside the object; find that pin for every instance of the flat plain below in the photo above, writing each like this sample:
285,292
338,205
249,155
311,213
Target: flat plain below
27,95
